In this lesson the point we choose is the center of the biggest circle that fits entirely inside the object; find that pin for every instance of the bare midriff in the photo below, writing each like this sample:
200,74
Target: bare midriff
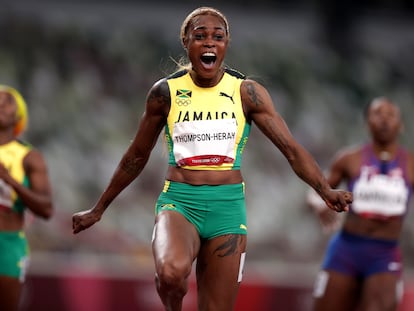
9,220
388,229
204,177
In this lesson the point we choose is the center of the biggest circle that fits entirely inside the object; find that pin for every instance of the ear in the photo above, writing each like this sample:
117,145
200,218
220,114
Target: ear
184,43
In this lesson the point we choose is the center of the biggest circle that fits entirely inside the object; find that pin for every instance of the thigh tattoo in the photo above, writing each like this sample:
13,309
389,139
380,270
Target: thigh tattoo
229,247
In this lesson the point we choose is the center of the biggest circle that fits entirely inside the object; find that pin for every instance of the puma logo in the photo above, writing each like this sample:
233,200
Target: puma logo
226,95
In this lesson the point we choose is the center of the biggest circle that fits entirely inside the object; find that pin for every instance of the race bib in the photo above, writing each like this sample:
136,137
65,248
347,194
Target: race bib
206,142
384,195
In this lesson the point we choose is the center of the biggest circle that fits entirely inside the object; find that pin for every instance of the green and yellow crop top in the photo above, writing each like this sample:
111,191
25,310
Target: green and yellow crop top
206,127
11,156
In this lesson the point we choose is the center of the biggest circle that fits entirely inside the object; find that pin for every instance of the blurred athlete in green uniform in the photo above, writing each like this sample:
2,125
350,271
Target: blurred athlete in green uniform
24,183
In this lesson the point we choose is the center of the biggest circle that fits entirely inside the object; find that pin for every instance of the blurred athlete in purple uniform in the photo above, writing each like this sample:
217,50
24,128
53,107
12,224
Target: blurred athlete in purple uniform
362,267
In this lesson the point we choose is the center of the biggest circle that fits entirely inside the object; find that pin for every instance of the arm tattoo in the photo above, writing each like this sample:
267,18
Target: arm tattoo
159,98
160,94
131,166
251,91
158,103
274,134
229,247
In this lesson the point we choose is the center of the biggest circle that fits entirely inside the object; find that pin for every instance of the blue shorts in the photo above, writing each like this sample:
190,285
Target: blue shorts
213,210
361,257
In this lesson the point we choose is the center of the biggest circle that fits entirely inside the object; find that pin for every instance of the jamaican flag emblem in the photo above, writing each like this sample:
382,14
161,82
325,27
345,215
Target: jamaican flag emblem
183,97
183,93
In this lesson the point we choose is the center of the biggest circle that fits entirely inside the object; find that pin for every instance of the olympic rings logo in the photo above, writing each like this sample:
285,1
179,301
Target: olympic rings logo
182,101
215,160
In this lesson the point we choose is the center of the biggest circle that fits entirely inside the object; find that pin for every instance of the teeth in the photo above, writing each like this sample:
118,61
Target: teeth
209,54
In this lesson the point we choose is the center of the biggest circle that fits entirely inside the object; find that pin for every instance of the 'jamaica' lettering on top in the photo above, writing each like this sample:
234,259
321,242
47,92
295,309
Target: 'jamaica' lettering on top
203,115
